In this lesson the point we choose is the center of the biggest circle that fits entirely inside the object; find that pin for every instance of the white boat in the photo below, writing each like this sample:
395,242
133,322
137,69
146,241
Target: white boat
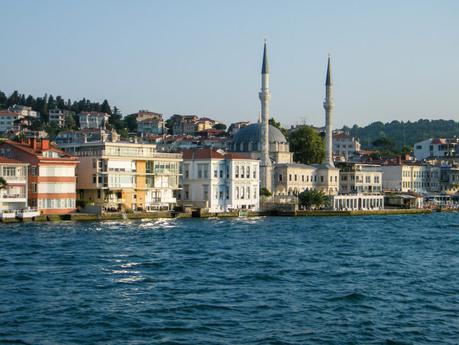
7,214
27,213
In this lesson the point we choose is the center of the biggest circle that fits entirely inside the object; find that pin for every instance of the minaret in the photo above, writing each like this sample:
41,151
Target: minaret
265,98
328,106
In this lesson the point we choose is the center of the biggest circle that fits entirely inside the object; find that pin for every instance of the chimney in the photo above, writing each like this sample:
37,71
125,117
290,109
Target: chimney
45,144
33,143
399,160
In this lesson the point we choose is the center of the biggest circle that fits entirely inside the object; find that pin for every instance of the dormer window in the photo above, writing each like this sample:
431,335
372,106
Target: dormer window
50,154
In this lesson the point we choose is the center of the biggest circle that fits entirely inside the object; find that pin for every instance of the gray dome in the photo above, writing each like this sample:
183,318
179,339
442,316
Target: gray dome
251,133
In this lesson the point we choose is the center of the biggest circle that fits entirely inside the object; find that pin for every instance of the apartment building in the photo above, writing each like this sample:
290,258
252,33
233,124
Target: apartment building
359,178
219,181
14,195
51,177
116,176
411,177
24,110
58,116
435,148
10,121
183,124
150,123
344,145
93,119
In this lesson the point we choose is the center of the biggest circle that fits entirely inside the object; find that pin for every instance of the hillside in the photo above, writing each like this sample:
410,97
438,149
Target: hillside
404,133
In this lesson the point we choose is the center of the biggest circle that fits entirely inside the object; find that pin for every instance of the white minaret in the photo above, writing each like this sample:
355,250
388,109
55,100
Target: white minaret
328,106
265,98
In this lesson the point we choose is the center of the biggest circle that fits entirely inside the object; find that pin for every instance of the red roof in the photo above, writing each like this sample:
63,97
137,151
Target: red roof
38,151
4,160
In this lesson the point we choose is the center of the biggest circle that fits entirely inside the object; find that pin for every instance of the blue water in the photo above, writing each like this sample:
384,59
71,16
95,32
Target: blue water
362,280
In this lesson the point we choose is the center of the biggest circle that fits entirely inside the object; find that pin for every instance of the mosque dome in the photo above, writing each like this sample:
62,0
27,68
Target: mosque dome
252,133
248,138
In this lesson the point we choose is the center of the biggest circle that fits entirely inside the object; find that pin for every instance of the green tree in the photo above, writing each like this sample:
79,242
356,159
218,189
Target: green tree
69,122
265,192
307,145
273,122
3,100
105,107
130,122
313,199
3,183
220,126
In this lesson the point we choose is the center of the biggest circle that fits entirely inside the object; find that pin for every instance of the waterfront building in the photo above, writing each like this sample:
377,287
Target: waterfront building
219,181
411,177
357,178
93,119
14,195
114,176
357,202
51,177
149,123
435,148
345,145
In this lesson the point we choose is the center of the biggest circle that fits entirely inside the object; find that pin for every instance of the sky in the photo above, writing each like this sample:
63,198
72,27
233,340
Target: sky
392,60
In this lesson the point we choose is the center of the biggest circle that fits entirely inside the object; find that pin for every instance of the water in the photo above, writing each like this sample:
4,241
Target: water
363,280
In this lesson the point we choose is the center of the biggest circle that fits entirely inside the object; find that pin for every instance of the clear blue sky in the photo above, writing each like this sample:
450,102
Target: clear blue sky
391,59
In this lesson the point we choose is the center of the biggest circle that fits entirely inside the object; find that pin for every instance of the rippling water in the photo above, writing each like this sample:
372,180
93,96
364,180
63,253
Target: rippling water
362,280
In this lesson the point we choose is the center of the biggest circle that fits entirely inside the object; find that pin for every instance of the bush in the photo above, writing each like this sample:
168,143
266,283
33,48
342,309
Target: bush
265,192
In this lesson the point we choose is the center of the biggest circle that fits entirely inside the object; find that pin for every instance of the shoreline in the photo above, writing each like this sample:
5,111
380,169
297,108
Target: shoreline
82,217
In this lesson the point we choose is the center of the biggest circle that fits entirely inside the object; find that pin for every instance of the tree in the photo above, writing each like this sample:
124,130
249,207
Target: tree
14,98
307,145
116,119
130,122
69,122
265,192
276,124
3,99
105,107
220,126
3,183
313,199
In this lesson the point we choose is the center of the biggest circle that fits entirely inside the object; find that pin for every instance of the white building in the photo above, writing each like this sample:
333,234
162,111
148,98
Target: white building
435,148
58,116
219,181
356,178
14,195
345,145
357,202
24,110
93,119
411,177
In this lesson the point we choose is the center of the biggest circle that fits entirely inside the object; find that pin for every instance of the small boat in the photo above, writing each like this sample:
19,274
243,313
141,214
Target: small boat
7,214
27,213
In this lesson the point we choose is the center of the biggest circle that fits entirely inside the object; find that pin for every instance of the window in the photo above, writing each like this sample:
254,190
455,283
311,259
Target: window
290,177
227,192
205,191
280,177
321,179
295,177
237,171
215,173
94,180
254,172
34,187
34,170
9,171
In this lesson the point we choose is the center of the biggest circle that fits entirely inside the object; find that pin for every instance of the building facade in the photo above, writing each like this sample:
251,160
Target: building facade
345,145
219,181
435,148
14,195
93,119
150,123
51,177
10,121
411,177
358,178
116,176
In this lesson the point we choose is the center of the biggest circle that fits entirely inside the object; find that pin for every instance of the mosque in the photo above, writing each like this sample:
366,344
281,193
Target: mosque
278,173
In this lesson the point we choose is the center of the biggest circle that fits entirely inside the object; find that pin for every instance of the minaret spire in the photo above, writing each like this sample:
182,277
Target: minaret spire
328,106
265,98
